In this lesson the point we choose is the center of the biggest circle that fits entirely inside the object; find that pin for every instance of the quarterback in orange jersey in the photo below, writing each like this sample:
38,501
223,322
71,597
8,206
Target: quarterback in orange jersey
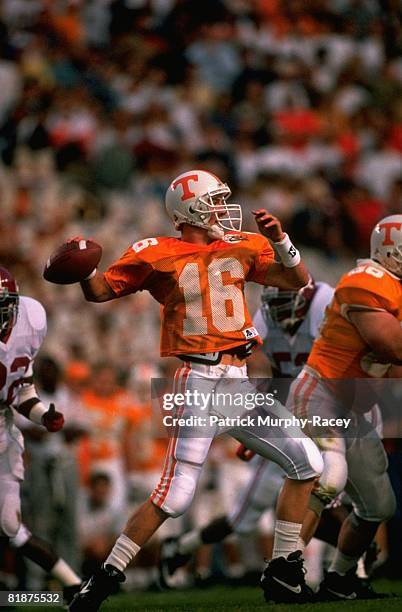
361,338
198,278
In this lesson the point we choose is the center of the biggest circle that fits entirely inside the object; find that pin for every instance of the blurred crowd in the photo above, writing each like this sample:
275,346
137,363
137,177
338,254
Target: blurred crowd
103,102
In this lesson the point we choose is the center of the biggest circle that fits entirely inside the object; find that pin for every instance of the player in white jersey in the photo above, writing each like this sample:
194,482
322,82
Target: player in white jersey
22,331
288,323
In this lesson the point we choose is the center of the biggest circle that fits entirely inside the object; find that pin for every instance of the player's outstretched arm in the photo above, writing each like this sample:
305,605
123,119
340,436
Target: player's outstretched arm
291,272
382,332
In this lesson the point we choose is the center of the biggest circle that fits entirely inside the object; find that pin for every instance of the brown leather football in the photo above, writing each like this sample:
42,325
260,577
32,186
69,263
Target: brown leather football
72,262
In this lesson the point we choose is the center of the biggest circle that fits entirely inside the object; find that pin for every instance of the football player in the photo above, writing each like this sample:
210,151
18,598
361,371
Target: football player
360,338
199,280
22,331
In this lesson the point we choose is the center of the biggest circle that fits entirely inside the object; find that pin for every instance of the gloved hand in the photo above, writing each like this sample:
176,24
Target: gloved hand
53,420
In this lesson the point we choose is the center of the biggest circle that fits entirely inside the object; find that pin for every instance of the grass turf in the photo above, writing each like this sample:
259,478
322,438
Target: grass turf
236,600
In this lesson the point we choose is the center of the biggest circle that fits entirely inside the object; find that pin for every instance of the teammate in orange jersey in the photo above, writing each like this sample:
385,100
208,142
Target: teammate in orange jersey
361,338
199,280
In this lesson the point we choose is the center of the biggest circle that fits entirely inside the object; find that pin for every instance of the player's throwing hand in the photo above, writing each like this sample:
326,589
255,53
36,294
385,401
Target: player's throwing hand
269,226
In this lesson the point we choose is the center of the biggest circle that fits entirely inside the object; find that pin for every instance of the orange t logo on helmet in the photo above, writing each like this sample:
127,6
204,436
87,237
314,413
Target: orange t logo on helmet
388,227
184,182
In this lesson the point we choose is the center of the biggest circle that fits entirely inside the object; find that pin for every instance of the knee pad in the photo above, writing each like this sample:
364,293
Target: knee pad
180,491
332,481
334,475
10,515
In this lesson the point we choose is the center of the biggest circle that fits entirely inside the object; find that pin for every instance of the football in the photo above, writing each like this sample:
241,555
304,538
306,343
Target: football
72,262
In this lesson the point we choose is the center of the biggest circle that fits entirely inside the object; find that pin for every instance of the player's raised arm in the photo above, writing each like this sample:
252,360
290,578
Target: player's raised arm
290,273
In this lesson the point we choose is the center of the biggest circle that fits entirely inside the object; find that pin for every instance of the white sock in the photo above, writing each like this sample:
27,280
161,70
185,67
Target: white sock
301,544
122,553
342,563
286,538
190,542
63,572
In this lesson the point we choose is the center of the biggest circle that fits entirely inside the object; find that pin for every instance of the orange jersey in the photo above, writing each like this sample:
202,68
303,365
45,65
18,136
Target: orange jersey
340,351
200,287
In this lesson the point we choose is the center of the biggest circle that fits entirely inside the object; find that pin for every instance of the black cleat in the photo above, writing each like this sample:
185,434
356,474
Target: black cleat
335,587
70,591
103,583
283,580
169,561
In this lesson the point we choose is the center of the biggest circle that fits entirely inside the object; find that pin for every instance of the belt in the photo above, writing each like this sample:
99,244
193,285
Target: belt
236,355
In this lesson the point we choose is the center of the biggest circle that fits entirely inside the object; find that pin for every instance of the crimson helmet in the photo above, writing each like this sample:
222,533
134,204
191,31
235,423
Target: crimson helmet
9,299
192,198
285,307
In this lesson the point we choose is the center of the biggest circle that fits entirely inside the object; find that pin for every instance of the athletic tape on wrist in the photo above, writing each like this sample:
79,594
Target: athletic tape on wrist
37,413
289,255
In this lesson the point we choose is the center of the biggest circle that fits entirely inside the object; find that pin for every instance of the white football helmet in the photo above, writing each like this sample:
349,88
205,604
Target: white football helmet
386,244
285,307
192,198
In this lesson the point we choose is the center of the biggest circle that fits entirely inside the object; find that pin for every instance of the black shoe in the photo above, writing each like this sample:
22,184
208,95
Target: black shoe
283,580
103,583
335,587
170,560
70,591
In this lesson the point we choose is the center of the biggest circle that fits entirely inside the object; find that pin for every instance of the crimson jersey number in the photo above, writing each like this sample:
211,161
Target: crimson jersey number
18,363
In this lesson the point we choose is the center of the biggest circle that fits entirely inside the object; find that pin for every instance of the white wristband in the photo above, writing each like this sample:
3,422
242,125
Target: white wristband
289,255
94,271
36,413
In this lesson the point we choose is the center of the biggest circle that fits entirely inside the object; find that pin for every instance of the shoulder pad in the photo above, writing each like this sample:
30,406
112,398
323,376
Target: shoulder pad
34,312
369,278
321,299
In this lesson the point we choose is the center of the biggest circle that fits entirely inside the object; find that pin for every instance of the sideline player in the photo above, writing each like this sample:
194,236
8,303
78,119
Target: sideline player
360,339
22,331
199,281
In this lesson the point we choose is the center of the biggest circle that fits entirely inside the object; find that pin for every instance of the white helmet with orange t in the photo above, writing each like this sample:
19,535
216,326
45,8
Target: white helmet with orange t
386,244
194,196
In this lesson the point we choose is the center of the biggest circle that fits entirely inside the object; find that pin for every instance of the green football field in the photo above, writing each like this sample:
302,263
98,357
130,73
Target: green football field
236,599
